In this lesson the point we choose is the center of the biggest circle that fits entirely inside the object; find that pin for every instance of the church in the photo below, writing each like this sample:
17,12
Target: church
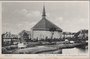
45,29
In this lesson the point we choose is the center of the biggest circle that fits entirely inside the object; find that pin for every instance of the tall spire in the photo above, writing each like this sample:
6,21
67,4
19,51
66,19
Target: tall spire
43,13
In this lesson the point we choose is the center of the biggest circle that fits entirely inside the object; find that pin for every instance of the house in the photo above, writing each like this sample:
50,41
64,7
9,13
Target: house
8,38
68,35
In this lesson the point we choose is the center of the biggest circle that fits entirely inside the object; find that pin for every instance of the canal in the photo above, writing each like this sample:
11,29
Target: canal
75,51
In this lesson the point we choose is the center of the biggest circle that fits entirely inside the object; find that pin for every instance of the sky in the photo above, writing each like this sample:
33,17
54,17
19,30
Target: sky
70,16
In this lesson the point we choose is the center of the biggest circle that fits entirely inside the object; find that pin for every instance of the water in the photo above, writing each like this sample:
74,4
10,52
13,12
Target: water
53,50
67,51
75,51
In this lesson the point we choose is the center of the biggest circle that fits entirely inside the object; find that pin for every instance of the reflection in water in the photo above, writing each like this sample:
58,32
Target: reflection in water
82,51
76,51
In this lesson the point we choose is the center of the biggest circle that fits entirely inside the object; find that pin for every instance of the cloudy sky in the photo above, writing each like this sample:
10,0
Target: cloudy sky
70,16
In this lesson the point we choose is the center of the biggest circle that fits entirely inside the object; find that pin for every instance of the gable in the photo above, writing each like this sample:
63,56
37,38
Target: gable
45,25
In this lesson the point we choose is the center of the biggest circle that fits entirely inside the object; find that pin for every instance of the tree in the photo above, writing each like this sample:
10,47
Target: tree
52,32
25,36
3,39
64,33
81,35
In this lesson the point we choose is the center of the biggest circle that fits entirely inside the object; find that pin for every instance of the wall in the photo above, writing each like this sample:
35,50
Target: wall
44,34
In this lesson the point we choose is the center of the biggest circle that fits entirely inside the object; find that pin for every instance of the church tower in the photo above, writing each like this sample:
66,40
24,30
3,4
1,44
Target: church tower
42,29
44,12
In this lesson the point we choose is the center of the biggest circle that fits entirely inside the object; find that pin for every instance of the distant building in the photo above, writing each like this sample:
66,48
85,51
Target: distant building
68,35
46,29
8,38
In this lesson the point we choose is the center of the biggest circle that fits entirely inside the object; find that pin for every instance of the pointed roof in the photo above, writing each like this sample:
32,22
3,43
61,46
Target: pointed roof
43,13
45,24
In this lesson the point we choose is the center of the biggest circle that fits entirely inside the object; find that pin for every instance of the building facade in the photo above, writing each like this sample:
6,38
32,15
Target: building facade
9,39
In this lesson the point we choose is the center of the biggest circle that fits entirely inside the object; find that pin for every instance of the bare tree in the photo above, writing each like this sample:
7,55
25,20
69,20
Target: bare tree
52,32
